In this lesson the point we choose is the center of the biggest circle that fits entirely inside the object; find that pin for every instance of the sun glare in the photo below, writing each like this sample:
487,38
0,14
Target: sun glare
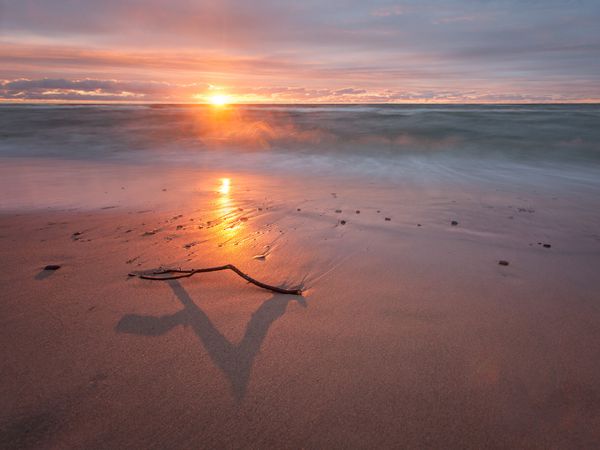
225,186
219,100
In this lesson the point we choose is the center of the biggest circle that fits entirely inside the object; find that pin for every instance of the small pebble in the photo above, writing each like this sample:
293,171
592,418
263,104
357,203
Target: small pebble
503,263
357,211
52,267
388,218
454,223
547,246
298,209
418,224
338,211
343,222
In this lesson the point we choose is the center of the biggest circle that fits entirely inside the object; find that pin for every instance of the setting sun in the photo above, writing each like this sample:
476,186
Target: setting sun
219,99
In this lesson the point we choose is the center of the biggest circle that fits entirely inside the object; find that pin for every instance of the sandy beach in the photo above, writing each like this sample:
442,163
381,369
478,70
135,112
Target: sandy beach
409,333
299,225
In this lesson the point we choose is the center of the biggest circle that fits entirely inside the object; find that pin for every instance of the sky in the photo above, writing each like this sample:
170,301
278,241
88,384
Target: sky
334,51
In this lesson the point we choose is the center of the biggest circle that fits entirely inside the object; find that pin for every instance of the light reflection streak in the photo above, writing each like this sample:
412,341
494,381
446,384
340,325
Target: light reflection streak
227,211
225,186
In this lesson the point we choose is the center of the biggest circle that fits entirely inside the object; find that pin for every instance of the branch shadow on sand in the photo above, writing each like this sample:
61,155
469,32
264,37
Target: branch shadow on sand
235,360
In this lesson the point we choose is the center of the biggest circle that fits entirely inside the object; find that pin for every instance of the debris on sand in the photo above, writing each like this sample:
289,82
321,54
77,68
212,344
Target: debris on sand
52,267
174,274
503,262
190,244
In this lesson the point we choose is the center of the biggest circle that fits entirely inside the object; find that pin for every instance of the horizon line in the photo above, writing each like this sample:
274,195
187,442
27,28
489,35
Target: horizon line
150,103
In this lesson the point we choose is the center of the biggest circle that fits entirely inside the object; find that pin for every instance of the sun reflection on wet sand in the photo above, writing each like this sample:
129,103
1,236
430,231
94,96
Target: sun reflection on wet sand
225,186
227,211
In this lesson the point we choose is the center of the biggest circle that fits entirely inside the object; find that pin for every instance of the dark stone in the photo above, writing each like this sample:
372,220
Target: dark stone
547,246
357,211
343,222
338,211
454,223
298,209
388,218
503,263
52,267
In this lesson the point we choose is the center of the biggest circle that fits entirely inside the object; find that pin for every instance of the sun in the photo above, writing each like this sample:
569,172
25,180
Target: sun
219,99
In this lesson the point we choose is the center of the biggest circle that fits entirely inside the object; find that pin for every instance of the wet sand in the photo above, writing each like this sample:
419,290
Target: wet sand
409,333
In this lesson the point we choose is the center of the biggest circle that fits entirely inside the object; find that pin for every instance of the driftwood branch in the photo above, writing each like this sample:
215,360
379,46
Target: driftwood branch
175,274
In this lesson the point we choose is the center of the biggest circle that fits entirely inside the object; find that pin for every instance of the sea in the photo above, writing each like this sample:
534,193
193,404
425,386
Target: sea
529,145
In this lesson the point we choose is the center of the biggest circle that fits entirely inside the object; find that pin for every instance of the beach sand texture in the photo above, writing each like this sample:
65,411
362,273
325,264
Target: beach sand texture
409,334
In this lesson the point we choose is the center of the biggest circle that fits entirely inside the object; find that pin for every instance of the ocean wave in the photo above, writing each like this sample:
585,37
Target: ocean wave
384,132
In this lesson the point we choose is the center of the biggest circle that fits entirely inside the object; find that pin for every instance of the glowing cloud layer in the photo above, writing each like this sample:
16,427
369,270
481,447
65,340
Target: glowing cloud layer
273,51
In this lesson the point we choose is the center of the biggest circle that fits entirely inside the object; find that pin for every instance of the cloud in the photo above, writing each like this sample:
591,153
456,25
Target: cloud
387,11
90,89
60,89
541,49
